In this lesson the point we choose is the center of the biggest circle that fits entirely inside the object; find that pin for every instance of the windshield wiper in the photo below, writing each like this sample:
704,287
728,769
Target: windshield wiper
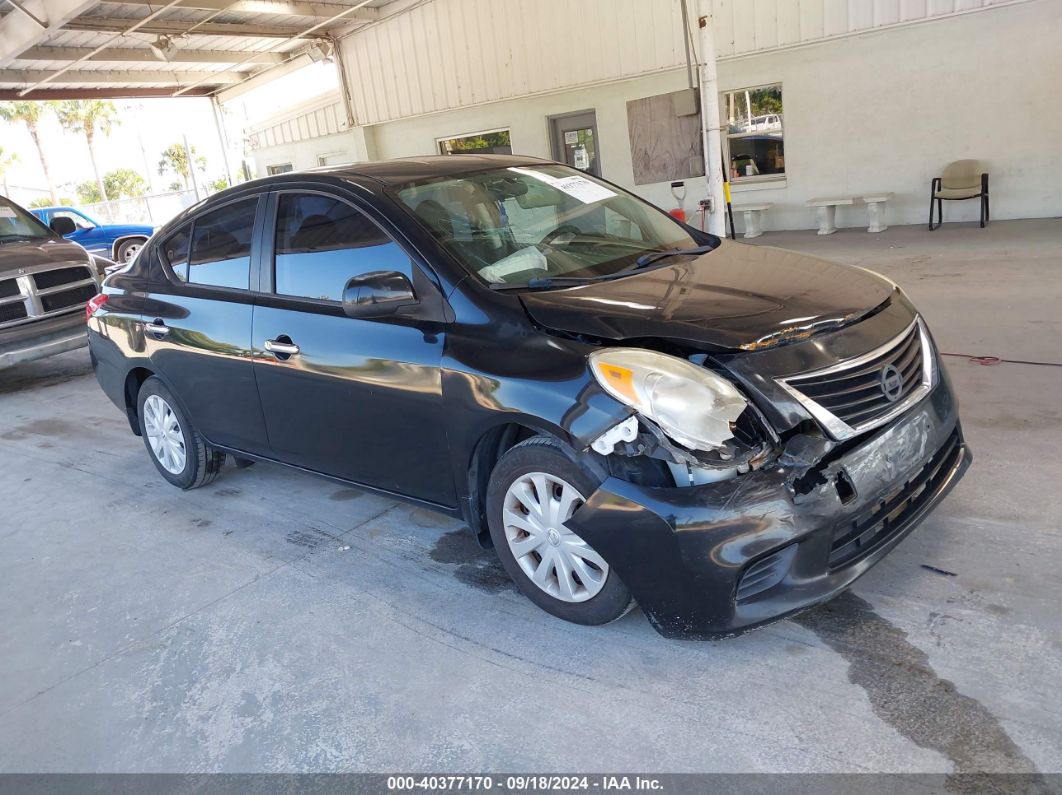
648,259
7,238
546,282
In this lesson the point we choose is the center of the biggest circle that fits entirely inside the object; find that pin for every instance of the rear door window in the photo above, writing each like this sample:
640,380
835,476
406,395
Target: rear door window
321,242
221,246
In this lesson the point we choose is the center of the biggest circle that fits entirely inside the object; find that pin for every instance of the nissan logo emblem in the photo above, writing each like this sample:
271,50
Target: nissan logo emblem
891,383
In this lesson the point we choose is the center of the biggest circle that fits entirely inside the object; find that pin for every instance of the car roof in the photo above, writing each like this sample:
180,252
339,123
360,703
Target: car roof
414,169
384,173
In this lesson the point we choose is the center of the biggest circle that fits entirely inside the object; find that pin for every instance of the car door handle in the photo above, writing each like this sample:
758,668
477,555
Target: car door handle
285,348
157,327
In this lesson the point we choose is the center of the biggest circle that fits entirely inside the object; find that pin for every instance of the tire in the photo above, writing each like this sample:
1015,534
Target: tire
546,464
181,456
127,250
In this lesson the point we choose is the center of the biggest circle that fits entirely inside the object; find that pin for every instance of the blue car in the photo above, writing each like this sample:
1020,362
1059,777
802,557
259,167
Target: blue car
119,242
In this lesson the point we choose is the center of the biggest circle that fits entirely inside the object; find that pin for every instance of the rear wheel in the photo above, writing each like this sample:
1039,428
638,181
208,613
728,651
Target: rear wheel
534,490
179,453
127,250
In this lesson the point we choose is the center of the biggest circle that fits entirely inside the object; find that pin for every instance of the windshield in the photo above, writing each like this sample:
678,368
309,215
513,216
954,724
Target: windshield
510,226
17,224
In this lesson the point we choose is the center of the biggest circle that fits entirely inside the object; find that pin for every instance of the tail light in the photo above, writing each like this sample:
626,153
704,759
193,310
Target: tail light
94,303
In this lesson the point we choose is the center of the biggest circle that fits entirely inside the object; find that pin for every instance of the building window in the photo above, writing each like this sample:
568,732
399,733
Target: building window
335,159
755,134
279,168
491,142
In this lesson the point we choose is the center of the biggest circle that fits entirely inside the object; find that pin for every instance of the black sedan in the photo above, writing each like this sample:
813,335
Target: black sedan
627,409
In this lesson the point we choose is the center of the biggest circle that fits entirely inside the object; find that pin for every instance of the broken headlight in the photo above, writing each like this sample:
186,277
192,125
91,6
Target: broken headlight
692,405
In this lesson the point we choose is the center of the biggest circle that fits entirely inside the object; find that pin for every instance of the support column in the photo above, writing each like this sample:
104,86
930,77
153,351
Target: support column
344,84
752,224
710,122
827,218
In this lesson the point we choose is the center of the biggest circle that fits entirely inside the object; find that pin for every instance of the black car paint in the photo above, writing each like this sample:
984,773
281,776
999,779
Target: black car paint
734,295
401,404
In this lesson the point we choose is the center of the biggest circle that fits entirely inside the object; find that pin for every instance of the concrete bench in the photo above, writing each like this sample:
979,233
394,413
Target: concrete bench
753,218
828,212
876,211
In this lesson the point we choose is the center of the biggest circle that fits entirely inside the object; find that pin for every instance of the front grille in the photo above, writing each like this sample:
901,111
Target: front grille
67,298
858,395
48,279
8,288
854,541
9,312
765,573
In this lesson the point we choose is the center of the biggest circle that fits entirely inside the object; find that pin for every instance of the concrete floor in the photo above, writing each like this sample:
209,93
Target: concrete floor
276,622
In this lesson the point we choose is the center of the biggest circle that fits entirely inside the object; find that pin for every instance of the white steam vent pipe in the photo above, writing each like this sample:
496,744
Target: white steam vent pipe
713,143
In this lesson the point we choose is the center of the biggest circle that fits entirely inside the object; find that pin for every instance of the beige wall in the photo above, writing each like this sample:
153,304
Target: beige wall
886,111
881,111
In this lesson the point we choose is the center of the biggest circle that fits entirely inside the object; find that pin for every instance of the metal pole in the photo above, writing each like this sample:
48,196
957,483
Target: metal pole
191,166
686,34
710,124
344,84
219,124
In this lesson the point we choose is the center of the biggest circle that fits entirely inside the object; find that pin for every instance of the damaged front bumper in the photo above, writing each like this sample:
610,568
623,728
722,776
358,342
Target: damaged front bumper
717,560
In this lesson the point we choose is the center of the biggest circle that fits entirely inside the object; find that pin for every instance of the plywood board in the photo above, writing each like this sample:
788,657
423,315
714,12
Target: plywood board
664,147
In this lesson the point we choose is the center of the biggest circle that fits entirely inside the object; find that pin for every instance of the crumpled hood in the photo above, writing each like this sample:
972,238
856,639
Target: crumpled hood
737,296
27,254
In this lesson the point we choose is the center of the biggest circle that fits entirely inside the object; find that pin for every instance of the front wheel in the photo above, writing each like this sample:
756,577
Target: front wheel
533,491
179,453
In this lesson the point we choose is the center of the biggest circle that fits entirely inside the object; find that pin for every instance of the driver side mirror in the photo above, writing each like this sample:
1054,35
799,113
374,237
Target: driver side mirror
62,225
377,294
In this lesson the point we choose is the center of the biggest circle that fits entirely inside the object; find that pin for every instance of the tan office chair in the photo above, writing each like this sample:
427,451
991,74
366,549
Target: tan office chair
961,180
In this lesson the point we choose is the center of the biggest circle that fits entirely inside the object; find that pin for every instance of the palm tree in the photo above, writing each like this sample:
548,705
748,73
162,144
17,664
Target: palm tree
7,159
30,114
89,116
175,158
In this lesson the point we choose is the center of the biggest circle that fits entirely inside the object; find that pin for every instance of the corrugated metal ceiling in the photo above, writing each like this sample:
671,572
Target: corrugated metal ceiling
219,31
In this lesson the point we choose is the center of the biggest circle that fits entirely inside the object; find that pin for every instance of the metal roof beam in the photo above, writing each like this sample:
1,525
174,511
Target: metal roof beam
263,77
293,8
134,55
322,25
90,77
170,28
21,30
104,93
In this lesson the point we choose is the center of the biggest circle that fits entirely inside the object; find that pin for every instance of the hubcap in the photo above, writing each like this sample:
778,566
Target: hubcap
557,560
164,434
130,251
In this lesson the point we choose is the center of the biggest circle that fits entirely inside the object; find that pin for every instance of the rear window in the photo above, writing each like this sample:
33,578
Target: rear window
221,246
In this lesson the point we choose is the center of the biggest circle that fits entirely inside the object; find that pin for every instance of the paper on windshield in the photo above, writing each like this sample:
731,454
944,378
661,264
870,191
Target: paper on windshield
583,189
6,212
577,187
